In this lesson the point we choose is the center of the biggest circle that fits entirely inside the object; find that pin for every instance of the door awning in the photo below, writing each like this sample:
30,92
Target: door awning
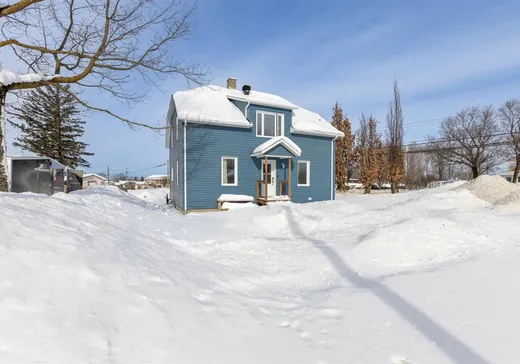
279,146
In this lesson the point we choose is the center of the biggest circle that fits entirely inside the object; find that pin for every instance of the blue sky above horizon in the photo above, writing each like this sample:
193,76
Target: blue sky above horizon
446,55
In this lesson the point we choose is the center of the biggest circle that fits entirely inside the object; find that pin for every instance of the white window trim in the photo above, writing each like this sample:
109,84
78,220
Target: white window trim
176,129
308,184
275,117
177,171
222,175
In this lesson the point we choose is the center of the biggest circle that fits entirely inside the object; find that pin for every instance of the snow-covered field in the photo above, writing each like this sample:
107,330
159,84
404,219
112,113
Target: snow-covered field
100,276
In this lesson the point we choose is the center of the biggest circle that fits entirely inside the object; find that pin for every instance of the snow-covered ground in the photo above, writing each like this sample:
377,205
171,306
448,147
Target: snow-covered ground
152,195
99,276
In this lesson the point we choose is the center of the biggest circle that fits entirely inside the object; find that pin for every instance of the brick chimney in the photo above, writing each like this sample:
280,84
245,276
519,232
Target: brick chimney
232,83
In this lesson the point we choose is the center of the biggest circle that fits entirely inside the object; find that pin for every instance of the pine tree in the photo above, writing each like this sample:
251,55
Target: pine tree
345,151
50,125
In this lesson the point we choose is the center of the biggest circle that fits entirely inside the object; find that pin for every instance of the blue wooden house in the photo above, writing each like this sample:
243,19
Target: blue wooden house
229,144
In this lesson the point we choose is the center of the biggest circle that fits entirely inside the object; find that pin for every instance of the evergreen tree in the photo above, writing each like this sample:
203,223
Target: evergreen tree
50,125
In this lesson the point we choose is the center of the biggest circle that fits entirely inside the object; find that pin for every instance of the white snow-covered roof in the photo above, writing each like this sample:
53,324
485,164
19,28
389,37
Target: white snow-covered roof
259,98
94,175
273,142
157,176
310,123
54,163
209,105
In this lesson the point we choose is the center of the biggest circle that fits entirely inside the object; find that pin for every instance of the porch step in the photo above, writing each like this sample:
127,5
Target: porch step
263,201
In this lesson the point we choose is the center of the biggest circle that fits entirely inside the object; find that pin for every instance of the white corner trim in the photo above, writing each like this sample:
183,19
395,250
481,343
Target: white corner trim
308,184
185,177
236,172
332,175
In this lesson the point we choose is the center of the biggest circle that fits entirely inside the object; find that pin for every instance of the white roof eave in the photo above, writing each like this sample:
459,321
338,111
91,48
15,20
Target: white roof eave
318,133
219,123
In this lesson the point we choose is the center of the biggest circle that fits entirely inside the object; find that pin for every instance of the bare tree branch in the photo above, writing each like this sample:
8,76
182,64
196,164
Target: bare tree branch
16,7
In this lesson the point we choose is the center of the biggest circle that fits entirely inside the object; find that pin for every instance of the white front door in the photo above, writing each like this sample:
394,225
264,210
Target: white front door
271,178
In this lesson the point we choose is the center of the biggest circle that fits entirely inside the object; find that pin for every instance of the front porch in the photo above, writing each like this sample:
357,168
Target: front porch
266,190
272,155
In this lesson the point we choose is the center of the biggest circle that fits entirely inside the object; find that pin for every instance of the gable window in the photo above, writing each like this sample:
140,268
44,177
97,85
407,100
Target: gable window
229,171
304,173
269,124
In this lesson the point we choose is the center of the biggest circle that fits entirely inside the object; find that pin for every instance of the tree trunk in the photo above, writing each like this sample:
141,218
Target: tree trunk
392,187
474,171
367,190
4,186
517,169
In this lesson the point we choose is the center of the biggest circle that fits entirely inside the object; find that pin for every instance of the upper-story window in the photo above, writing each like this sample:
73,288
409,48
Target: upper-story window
269,124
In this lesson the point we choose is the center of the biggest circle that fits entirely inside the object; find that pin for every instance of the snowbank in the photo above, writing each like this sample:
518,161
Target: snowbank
237,206
100,276
490,188
152,195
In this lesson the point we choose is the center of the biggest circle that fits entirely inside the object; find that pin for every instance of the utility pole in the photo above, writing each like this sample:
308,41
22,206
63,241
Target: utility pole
108,174
126,173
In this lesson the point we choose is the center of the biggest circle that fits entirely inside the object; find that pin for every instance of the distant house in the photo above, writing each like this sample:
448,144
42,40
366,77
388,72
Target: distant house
140,185
509,176
92,180
156,180
225,142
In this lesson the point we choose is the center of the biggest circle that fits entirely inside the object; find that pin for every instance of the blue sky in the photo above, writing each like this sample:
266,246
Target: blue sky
446,55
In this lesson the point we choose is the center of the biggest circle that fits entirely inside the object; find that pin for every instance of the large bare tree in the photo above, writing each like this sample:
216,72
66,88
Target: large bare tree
472,138
100,45
509,116
395,153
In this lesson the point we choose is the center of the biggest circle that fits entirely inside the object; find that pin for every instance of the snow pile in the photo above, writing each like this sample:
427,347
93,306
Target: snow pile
99,276
155,196
511,200
237,206
490,188
7,77
235,198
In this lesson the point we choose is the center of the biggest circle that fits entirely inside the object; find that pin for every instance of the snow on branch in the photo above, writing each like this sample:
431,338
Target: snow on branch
8,78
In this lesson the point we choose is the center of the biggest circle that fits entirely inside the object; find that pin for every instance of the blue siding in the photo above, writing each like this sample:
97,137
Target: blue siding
280,150
176,154
241,105
206,145
316,150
